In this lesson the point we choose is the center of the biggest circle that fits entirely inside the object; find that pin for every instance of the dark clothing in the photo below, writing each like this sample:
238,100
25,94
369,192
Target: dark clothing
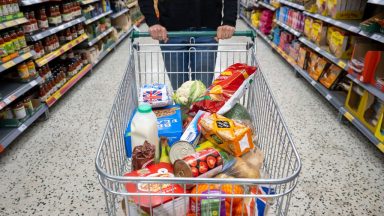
181,14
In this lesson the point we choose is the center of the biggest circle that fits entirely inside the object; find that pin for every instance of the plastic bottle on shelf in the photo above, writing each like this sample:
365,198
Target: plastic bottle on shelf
1,9
42,93
8,44
4,7
144,128
68,35
22,69
31,68
3,51
43,21
21,38
36,47
74,32
34,25
10,7
15,41
58,15
16,6
42,51
80,29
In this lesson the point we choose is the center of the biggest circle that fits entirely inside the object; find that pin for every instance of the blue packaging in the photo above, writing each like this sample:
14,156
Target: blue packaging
169,124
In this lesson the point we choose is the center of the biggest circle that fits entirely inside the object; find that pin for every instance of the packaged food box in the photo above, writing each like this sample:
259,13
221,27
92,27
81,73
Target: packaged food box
340,43
308,26
346,9
146,202
169,124
229,135
319,32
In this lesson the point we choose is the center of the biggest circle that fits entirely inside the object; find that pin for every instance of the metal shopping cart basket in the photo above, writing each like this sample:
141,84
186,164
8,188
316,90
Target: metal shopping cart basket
145,65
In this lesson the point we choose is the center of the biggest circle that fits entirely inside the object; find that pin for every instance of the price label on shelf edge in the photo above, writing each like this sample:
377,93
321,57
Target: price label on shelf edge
313,82
33,83
22,127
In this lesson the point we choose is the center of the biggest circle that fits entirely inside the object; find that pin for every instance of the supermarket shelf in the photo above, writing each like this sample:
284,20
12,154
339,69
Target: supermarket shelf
256,30
85,2
350,25
12,23
378,2
133,4
99,37
375,91
248,7
16,60
117,14
52,55
53,30
68,85
109,49
361,127
375,36
32,2
13,90
88,21
7,135
297,6
288,28
247,22
266,5
341,63
335,98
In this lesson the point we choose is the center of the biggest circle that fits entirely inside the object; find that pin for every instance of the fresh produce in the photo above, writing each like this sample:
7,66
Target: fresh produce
188,92
164,157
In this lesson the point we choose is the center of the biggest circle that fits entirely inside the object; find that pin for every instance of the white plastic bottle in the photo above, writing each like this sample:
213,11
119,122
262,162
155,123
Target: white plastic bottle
144,128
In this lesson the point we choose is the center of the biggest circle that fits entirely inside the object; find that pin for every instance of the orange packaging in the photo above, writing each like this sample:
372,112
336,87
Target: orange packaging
229,135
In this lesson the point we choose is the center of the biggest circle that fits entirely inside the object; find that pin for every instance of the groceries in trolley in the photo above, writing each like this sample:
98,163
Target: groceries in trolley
156,95
206,134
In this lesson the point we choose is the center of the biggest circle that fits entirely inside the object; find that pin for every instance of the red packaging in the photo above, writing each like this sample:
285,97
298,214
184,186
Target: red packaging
157,170
223,88
205,164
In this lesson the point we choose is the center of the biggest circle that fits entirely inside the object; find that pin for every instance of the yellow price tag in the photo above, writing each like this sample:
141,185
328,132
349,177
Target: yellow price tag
57,95
342,64
381,146
9,64
349,116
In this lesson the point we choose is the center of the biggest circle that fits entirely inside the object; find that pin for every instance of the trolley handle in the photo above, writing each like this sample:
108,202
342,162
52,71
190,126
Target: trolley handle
251,34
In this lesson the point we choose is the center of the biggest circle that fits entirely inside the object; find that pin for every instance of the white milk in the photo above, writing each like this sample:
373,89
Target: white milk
144,128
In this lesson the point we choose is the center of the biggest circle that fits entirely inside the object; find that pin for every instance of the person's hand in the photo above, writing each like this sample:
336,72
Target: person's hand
158,32
225,32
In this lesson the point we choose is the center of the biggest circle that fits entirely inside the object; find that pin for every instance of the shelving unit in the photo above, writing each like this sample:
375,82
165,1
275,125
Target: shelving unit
13,90
297,6
16,60
333,97
68,85
117,14
53,30
341,63
270,7
350,25
85,2
288,28
99,37
7,135
52,55
12,23
89,21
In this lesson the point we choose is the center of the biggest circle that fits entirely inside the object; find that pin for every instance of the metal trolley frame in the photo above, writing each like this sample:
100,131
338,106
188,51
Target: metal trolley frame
281,165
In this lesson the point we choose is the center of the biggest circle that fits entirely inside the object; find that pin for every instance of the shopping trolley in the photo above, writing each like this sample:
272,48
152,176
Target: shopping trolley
281,165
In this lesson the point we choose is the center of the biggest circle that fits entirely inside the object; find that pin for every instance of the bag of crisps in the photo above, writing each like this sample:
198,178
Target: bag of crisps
226,90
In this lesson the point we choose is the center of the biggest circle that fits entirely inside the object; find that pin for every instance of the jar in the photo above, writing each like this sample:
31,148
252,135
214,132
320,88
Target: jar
6,113
27,102
31,69
19,111
23,71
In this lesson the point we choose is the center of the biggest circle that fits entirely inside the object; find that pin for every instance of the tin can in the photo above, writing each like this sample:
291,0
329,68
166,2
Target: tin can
204,164
179,150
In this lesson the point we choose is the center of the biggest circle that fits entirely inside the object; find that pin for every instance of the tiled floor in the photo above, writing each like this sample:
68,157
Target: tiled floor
50,169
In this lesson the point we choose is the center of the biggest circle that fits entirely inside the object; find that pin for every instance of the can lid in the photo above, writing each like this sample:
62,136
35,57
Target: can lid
144,108
179,150
182,169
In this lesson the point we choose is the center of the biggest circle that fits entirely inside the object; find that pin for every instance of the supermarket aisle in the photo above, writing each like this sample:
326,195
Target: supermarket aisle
342,171
50,169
